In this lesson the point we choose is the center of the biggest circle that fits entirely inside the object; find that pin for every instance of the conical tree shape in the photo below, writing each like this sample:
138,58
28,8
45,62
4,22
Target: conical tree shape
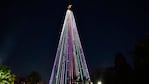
69,66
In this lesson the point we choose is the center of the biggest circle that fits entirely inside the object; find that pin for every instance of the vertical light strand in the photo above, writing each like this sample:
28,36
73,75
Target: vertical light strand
81,49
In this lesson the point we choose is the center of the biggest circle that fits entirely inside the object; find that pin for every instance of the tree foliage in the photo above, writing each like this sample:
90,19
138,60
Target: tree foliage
33,78
141,60
141,52
122,70
6,77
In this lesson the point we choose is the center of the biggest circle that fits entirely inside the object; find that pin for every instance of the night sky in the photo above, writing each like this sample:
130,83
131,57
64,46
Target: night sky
30,31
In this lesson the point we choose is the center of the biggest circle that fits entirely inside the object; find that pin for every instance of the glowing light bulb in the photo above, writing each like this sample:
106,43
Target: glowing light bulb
99,82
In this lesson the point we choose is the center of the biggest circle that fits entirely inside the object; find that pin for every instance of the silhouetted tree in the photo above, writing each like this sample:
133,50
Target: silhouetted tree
20,80
33,78
141,52
122,70
141,60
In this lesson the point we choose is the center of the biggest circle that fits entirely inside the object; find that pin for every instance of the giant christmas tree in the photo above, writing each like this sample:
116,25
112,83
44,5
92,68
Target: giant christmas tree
70,65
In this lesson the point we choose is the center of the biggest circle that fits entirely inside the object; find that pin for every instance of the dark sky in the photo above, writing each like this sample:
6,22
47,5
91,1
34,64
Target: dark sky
30,30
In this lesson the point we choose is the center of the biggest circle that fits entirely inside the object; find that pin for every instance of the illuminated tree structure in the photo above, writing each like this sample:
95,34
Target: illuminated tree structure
70,65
